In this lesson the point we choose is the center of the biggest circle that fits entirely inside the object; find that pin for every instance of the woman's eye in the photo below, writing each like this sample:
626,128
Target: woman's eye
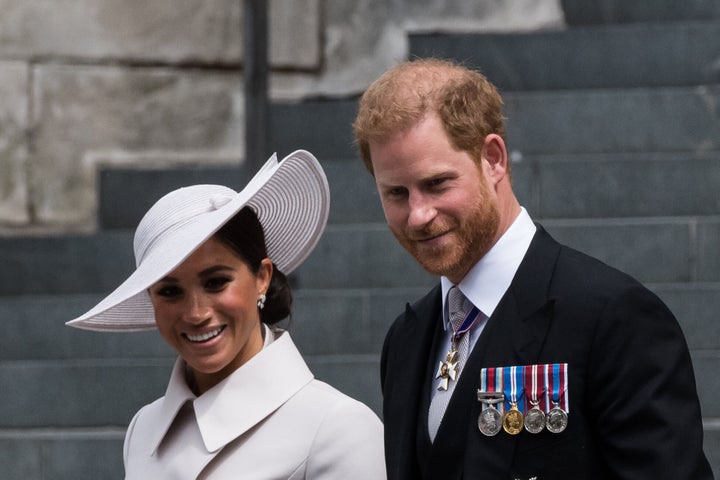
216,283
168,291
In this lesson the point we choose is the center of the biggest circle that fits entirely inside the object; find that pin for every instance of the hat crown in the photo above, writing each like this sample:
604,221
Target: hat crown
173,212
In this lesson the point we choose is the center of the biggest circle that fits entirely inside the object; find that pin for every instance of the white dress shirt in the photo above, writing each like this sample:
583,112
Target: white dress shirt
486,283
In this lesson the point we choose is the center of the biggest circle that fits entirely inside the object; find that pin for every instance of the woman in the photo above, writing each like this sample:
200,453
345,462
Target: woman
241,402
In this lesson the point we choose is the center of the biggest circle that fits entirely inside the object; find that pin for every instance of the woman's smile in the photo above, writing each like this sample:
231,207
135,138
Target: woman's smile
204,337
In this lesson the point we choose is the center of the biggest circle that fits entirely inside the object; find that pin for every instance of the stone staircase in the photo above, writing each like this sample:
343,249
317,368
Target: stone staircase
614,128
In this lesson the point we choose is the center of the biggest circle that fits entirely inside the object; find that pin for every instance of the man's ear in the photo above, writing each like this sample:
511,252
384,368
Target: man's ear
495,154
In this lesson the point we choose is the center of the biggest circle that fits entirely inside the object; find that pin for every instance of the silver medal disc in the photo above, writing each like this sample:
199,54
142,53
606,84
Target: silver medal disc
490,421
535,420
557,420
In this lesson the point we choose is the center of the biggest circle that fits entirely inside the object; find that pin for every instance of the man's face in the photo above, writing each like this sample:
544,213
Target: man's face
438,202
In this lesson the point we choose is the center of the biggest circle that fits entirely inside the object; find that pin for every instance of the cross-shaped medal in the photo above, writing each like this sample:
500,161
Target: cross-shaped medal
448,369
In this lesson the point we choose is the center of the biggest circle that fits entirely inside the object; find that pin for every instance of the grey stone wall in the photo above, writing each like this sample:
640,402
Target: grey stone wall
85,83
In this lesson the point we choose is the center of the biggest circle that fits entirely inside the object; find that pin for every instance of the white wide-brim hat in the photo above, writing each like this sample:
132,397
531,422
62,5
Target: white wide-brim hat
290,197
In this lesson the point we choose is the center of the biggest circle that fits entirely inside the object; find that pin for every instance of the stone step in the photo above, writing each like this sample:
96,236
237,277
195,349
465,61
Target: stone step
711,446
581,12
607,56
117,389
126,194
551,186
619,185
323,127
324,323
367,256
640,120
95,393
687,247
39,320
61,456
696,307
678,119
65,264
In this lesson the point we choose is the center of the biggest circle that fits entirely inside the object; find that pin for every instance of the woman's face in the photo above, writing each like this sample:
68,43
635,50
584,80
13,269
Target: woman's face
206,309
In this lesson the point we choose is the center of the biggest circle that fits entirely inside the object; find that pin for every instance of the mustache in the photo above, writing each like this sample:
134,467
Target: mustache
428,231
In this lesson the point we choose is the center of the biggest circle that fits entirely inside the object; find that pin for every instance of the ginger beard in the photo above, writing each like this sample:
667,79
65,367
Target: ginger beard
470,236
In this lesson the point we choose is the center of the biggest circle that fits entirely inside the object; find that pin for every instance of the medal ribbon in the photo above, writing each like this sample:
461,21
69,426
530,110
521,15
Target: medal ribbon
545,404
491,380
513,378
530,375
484,384
559,381
467,323
545,383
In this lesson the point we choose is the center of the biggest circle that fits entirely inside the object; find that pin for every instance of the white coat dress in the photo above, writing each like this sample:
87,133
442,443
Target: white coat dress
268,420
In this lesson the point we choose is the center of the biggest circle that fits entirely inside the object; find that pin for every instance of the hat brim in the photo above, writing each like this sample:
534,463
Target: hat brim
291,198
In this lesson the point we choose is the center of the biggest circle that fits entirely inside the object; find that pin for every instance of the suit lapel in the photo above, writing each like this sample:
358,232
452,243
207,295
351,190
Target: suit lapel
516,332
406,356
514,335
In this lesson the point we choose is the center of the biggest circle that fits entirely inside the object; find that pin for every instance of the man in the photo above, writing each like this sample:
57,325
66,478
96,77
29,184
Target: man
564,368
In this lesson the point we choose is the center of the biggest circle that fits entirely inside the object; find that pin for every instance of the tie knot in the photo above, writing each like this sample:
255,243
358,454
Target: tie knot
456,307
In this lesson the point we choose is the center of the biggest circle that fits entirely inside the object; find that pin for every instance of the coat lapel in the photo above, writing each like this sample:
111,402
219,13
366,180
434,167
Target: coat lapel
190,431
514,335
278,371
516,332
406,354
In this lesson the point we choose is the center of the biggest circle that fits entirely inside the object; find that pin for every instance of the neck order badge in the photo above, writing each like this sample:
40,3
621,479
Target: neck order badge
461,323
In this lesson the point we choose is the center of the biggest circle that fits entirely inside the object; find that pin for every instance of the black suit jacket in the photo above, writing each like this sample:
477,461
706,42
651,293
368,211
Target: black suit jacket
634,411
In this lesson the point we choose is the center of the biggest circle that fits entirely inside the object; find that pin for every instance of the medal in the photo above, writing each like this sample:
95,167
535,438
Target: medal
513,418
557,417
557,420
448,369
535,417
490,421
530,397
490,394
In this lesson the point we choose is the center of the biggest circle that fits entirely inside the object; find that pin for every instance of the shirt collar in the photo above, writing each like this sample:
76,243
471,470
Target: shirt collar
488,280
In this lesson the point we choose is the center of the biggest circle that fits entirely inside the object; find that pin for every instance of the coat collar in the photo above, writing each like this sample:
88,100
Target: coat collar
240,401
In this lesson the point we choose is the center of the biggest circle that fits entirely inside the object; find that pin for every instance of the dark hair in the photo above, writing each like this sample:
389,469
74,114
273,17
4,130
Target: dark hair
244,235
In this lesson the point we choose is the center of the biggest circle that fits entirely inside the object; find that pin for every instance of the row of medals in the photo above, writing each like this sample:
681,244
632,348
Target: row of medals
491,421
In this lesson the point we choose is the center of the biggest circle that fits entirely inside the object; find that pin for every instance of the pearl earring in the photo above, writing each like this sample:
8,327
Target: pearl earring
261,301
